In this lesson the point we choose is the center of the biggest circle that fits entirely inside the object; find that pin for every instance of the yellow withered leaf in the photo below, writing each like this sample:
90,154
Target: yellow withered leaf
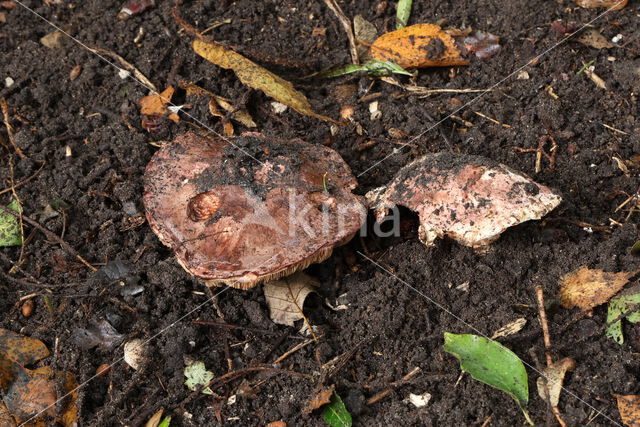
418,46
587,288
257,77
629,408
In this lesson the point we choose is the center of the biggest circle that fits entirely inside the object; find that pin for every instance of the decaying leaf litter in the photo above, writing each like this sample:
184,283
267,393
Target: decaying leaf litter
445,248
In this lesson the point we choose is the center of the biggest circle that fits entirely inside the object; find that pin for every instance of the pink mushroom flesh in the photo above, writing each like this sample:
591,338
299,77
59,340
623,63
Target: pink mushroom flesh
468,198
238,220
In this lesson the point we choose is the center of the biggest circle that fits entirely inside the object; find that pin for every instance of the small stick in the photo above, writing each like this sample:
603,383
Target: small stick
292,350
51,236
346,24
7,124
547,347
24,181
125,65
381,395
545,326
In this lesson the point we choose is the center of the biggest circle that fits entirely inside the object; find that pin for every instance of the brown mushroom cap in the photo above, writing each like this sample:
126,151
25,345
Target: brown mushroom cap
471,199
234,220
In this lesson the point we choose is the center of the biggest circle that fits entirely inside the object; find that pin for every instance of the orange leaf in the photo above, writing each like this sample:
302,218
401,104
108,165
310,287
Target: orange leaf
156,104
418,46
587,288
21,349
321,398
629,408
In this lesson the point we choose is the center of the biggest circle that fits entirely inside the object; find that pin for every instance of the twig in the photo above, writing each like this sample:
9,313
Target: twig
7,124
24,181
382,394
545,326
421,90
51,236
547,349
293,350
348,28
403,12
125,64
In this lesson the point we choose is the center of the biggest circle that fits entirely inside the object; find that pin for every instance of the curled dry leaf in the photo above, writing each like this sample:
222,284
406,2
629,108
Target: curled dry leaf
257,77
286,297
484,45
242,222
365,32
418,46
613,4
100,334
241,115
471,199
554,375
593,38
156,105
27,393
510,328
587,288
629,409
319,399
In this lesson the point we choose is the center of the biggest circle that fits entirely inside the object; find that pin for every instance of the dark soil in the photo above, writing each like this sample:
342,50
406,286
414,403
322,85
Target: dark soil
393,322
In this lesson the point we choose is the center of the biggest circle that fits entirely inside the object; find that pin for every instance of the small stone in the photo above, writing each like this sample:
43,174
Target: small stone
52,40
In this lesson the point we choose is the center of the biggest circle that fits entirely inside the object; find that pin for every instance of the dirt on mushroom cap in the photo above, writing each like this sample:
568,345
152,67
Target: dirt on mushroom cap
267,217
471,199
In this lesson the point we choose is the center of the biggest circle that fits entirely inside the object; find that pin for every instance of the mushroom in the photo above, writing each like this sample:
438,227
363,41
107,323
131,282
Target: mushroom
471,199
251,211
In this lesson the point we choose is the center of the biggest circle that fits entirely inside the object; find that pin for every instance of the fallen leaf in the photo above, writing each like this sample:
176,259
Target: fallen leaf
491,363
318,400
52,40
69,407
28,393
613,4
21,349
418,46
100,334
587,288
629,408
242,116
593,38
285,297
257,77
10,231
197,376
589,71
156,104
365,32
510,328
554,375
279,423
155,419
626,305
336,414
484,45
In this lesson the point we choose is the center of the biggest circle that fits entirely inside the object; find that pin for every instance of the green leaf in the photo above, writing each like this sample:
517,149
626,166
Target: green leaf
335,413
10,231
372,67
403,12
165,422
617,308
492,363
197,375
635,249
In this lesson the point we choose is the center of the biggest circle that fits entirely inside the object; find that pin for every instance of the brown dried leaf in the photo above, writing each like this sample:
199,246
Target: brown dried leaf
6,420
593,38
155,419
554,375
21,349
242,116
366,32
286,297
279,423
156,104
69,415
418,46
613,4
586,288
629,408
29,393
257,77
321,398
510,328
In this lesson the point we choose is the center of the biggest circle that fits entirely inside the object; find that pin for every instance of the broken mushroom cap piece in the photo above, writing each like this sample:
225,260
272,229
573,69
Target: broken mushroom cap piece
471,199
250,209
